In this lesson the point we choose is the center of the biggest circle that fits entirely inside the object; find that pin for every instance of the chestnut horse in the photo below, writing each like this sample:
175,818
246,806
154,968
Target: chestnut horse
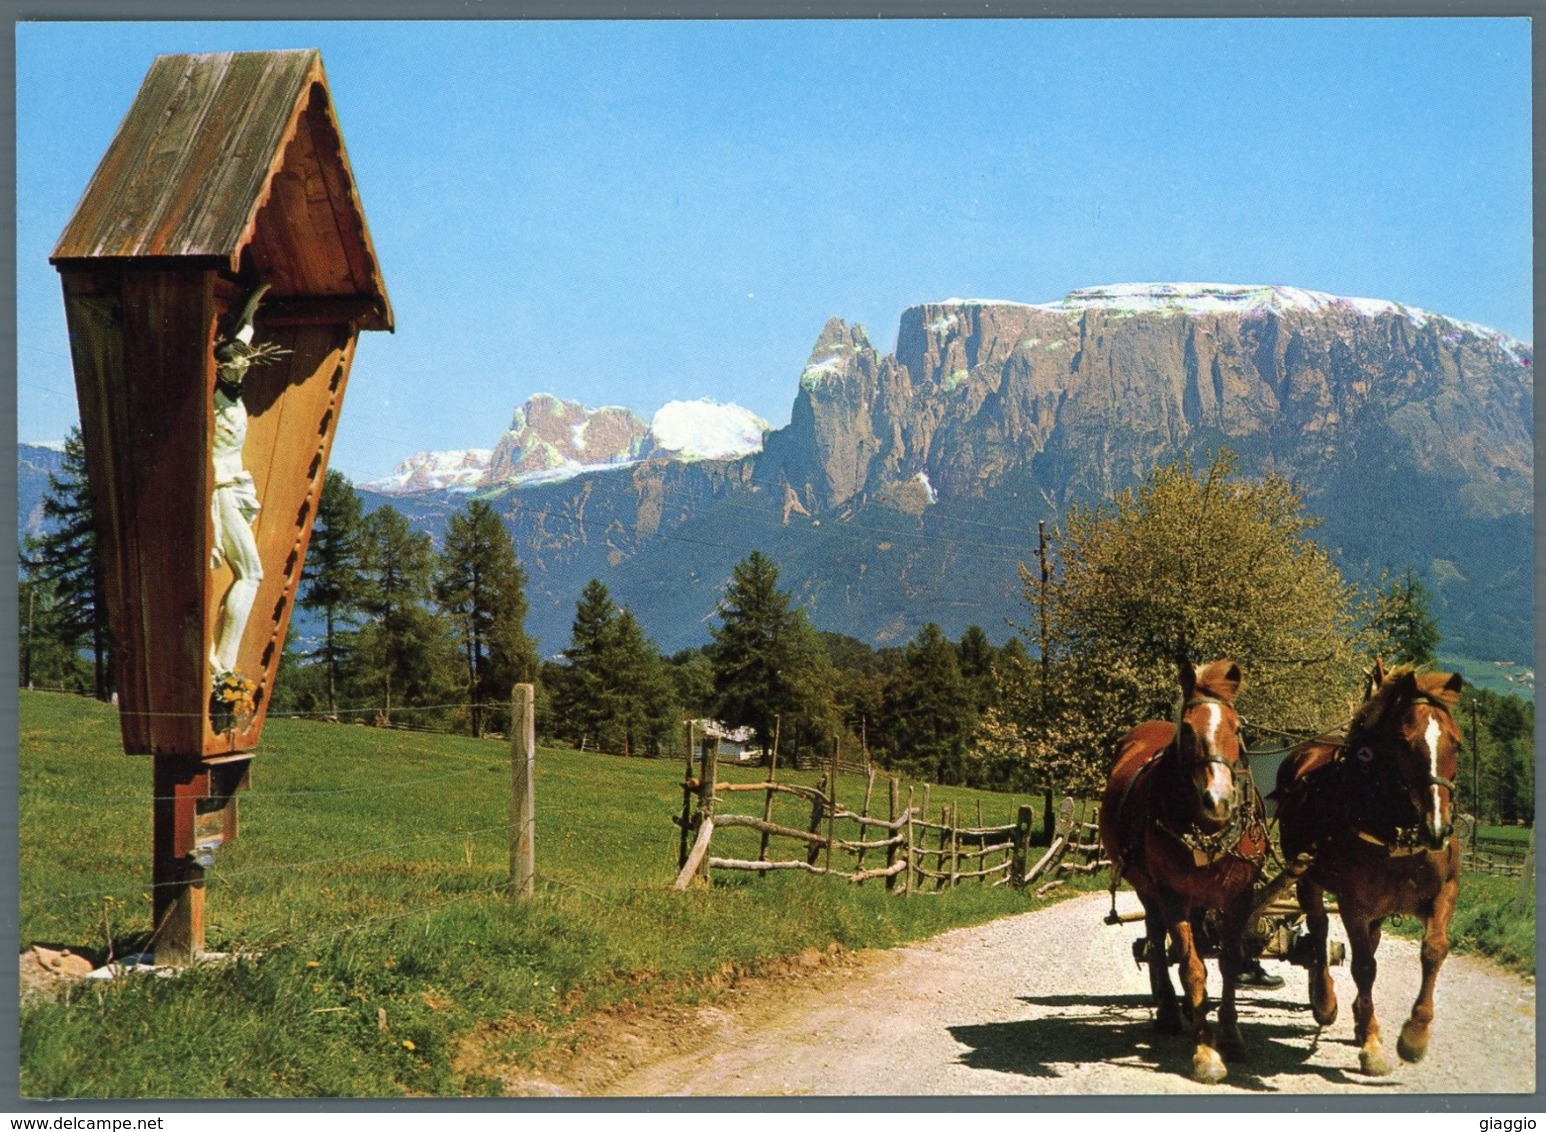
1183,824
1375,809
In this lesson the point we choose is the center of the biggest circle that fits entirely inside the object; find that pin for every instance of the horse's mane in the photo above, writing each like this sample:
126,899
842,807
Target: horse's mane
1402,685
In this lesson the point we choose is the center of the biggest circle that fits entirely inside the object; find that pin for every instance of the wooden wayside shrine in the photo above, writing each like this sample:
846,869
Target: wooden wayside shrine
225,192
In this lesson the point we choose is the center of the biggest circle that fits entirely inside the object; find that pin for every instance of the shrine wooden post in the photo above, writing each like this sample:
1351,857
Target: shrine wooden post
226,186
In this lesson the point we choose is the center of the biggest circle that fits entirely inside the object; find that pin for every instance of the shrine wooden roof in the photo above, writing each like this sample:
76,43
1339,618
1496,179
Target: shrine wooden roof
236,160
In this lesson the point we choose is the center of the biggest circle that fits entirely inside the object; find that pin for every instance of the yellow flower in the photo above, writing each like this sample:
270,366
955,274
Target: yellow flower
409,1045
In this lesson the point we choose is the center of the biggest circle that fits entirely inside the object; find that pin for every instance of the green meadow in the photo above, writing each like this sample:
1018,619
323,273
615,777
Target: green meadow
371,935
365,910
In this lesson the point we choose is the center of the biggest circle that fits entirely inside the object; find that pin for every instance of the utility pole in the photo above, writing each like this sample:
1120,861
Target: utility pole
1041,604
1041,613
1476,760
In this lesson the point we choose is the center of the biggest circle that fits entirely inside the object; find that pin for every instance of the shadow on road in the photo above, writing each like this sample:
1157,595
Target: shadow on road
1118,1030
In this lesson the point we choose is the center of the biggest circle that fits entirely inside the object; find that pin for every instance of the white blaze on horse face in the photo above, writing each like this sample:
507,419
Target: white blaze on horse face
1431,737
1220,786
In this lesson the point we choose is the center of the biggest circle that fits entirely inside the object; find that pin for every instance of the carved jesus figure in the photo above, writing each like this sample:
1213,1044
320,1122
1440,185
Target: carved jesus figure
234,504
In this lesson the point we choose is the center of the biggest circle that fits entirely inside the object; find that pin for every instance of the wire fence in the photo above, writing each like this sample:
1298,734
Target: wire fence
105,795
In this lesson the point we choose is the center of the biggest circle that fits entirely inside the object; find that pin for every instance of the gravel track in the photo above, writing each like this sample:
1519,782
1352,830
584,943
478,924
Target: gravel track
1052,1002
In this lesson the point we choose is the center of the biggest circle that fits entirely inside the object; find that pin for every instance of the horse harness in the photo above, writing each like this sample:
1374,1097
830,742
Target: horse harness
1405,840
1245,814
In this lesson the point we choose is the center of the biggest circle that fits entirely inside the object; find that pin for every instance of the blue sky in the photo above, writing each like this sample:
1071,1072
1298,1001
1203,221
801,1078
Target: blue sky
629,213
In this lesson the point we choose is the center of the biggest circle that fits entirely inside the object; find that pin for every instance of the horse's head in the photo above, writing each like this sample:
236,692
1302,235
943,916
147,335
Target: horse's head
1404,746
1208,739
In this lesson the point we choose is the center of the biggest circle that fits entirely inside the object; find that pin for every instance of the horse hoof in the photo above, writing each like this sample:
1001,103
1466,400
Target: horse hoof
1373,1061
1208,1067
1413,1042
1231,1044
1324,1017
1167,1023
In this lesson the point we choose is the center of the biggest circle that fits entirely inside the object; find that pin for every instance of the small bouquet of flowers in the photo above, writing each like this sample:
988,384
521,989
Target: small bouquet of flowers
231,702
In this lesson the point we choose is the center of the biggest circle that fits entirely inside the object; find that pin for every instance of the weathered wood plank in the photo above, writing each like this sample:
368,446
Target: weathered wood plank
1054,851
747,821
698,855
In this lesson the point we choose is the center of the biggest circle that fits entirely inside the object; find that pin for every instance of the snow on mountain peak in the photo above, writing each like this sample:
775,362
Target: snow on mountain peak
459,469
706,430
1250,300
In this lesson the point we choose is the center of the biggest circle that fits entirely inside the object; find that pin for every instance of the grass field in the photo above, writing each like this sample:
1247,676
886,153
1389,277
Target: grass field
363,902
366,880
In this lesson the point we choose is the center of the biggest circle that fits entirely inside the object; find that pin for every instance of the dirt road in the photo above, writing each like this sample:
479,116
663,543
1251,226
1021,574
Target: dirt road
1051,1002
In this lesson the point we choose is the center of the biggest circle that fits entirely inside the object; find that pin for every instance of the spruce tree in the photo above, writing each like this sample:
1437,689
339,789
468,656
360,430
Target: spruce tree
616,692
579,698
768,661
67,562
482,587
332,580
1399,623
640,705
975,656
403,645
46,659
933,711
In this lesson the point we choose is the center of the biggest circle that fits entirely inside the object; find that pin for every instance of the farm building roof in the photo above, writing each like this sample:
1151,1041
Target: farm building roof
235,158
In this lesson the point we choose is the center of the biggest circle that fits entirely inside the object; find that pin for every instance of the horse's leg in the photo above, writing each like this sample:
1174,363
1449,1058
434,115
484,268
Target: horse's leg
1207,1065
1363,937
1231,960
1413,1042
1323,994
1167,1013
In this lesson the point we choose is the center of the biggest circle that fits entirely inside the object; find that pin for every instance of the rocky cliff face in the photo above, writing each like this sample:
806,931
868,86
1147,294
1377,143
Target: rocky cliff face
547,433
907,487
1084,395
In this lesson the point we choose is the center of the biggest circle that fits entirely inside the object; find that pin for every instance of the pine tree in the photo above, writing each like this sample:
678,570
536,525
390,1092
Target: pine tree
933,712
975,656
46,660
483,588
332,580
1398,621
768,661
692,681
615,693
579,697
66,561
403,646
640,705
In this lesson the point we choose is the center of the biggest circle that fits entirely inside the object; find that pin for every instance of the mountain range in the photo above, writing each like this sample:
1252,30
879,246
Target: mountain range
907,486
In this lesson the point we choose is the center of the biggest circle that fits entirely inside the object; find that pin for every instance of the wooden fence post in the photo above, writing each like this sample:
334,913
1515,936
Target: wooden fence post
893,797
706,781
523,814
832,806
908,872
955,843
767,803
687,796
942,858
1023,826
869,789
818,811
982,843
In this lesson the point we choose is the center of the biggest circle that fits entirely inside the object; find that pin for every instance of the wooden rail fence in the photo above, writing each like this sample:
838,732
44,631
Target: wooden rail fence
1492,856
915,850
